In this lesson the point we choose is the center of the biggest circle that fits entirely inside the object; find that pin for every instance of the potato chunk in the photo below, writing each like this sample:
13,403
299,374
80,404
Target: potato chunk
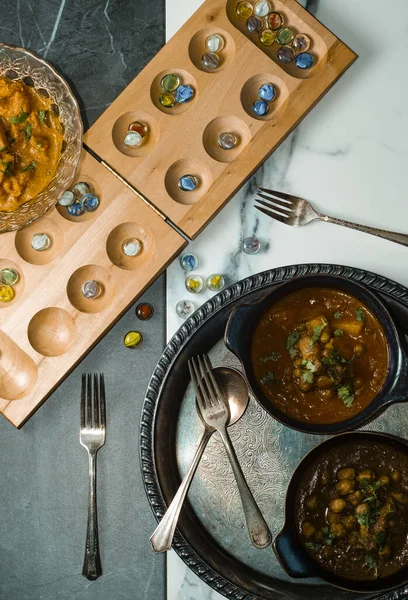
350,327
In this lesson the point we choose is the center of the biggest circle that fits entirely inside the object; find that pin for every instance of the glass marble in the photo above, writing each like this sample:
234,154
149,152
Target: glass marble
301,42
66,199
215,43
304,60
285,36
228,140
132,247
140,128
90,202
286,54
133,139
184,309
144,311
254,24
216,282
170,82
133,339
262,8
75,210
184,93
211,61
194,284
244,9
167,100
267,37
6,293
9,276
188,261
267,92
40,242
260,108
251,245
274,21
91,289
80,189
188,183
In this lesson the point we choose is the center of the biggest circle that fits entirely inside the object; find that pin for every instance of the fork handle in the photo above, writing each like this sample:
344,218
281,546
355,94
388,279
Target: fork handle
92,568
392,236
257,528
162,537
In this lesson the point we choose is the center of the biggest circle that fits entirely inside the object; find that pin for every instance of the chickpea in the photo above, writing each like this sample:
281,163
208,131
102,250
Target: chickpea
400,498
327,394
366,475
361,509
325,478
338,530
354,539
355,498
304,386
332,517
358,383
308,529
396,476
298,362
327,552
324,383
338,505
349,522
359,349
311,502
385,551
384,479
345,486
325,337
297,373
346,473
326,352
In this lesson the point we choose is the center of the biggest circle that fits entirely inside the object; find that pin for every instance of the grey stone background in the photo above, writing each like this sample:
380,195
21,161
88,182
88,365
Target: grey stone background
99,47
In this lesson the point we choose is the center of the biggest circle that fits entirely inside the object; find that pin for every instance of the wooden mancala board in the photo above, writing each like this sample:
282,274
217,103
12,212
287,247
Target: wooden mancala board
49,325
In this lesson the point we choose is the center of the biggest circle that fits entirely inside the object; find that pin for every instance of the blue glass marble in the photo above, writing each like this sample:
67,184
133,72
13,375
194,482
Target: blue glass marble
304,60
267,92
184,93
75,210
260,108
188,261
89,202
188,183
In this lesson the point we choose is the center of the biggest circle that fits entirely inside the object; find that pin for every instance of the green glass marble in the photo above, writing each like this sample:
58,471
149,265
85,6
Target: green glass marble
170,82
9,276
284,36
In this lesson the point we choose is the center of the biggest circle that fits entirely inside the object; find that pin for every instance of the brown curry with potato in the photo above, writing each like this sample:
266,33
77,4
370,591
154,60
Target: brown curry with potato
351,510
31,139
319,355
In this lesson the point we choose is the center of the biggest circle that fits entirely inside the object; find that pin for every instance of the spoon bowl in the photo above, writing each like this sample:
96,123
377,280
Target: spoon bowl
234,389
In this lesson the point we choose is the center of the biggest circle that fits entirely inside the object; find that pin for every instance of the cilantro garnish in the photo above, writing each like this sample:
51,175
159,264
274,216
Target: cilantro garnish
309,366
328,536
20,119
314,547
6,164
268,378
41,115
360,316
345,395
317,332
292,339
335,359
337,315
339,333
30,167
28,131
273,357
307,377
371,563
3,148
379,540
293,352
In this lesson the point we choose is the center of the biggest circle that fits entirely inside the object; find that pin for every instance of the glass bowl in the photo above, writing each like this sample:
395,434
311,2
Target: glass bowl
21,64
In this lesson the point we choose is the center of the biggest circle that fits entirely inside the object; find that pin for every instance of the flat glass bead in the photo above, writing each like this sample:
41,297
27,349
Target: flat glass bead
138,127
170,82
267,37
304,60
75,210
285,36
244,9
167,100
274,21
91,289
251,245
260,108
90,202
215,43
6,293
216,282
132,247
184,309
40,242
188,261
188,183
80,189
254,24
267,92
227,140
211,61
301,42
194,284
66,199
184,93
9,276
144,311
133,139
286,54
133,339
262,8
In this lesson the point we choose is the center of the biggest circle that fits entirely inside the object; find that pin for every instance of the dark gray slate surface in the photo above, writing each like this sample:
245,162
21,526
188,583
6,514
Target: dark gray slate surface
100,47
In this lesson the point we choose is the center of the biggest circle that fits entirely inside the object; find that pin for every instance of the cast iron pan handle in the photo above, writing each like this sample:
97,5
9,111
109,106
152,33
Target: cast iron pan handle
292,557
236,332
400,392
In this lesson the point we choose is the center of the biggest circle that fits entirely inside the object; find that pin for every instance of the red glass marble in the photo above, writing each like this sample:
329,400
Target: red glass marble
144,311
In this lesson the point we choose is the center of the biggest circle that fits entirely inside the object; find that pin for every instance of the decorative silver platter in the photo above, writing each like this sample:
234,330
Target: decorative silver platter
211,537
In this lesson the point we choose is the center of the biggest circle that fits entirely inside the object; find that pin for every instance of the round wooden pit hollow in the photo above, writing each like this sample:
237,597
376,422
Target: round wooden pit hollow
18,371
51,332
250,93
24,236
185,79
197,48
230,124
96,189
121,128
115,241
187,166
91,273
18,288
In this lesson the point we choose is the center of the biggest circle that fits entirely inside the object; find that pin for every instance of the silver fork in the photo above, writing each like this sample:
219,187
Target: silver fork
92,437
215,412
296,211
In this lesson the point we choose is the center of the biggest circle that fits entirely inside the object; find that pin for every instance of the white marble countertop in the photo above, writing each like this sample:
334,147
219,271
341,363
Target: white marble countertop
349,157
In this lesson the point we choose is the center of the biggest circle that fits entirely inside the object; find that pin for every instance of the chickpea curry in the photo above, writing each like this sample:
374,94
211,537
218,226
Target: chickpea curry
31,137
319,355
352,508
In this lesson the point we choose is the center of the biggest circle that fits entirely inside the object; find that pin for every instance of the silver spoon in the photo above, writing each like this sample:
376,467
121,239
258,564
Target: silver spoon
235,389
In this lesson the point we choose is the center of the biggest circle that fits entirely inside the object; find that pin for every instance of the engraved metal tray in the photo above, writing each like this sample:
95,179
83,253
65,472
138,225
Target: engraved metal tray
211,537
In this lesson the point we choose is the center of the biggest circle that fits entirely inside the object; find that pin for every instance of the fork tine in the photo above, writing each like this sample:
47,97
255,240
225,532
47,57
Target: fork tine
103,401
208,383
197,388
83,400
285,212
272,214
212,377
89,402
280,195
96,401
280,203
